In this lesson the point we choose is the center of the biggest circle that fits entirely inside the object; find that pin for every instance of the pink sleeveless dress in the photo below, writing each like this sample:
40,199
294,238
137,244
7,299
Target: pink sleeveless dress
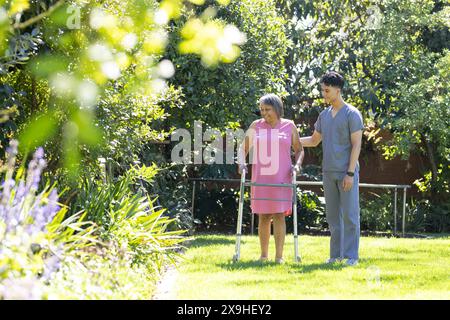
272,164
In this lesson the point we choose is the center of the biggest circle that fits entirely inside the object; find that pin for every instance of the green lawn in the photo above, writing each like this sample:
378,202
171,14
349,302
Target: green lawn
389,268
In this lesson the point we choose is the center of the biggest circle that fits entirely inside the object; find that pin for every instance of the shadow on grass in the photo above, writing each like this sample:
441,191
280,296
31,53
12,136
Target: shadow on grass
382,260
206,240
307,268
295,267
437,235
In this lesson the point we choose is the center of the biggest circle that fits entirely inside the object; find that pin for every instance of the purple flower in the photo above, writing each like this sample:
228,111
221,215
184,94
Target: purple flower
35,168
23,208
12,149
52,263
15,206
11,153
21,289
6,187
39,154
53,206
14,144
20,193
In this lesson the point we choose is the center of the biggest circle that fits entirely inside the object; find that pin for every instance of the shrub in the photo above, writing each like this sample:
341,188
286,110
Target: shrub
228,94
423,216
33,236
377,212
125,214
310,212
216,208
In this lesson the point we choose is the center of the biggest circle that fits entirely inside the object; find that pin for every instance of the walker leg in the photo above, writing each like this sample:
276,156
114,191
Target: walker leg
237,253
294,212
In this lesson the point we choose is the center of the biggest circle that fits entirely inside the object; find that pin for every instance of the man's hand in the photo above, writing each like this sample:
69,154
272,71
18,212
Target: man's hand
347,183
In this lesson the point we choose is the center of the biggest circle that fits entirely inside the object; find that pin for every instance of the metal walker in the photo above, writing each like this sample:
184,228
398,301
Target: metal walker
244,184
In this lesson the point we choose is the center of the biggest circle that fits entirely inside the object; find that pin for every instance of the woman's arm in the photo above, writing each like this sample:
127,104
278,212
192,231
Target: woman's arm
245,146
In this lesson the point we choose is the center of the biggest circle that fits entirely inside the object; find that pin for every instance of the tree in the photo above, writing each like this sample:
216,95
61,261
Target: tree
226,96
79,48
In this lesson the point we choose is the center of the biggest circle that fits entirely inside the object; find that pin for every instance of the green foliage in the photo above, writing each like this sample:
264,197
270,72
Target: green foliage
173,193
424,216
229,93
113,238
377,213
130,218
440,184
380,51
21,47
217,207
9,109
216,171
34,237
310,212
423,102
132,122
81,48
102,273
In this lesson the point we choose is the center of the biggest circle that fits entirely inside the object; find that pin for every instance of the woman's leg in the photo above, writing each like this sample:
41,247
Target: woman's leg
279,233
264,221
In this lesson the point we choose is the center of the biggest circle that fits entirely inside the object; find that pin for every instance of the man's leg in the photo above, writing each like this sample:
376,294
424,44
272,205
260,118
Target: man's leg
350,209
333,212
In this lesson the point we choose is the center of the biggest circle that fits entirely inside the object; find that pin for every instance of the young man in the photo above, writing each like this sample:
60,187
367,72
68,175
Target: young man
339,127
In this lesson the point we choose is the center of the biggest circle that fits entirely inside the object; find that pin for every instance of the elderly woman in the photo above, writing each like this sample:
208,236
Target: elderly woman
271,139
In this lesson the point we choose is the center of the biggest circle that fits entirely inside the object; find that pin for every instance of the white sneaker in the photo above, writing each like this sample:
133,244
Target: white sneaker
352,262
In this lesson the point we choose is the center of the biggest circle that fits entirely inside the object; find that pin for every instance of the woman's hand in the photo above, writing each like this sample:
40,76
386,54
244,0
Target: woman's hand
296,169
242,167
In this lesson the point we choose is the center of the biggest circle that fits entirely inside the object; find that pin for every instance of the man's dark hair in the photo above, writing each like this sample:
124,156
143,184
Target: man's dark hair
333,79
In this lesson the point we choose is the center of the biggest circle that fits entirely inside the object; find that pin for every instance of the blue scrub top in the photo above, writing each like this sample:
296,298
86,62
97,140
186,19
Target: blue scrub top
336,136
